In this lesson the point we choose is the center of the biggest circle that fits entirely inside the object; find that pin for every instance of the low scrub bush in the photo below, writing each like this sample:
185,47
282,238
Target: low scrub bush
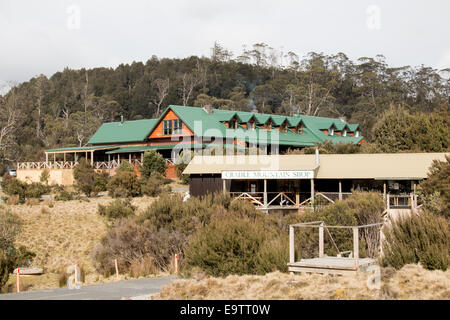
236,245
137,246
117,209
84,176
153,162
155,185
101,180
420,239
65,195
434,192
181,163
13,186
171,213
10,256
125,166
36,190
124,184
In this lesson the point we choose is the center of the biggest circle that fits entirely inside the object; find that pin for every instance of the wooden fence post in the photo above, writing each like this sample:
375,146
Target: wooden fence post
321,241
356,247
176,262
291,245
18,280
117,268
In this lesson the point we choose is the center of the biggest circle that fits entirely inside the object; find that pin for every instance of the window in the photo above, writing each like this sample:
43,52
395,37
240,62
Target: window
357,133
300,128
344,133
172,127
251,125
268,125
167,127
284,127
177,126
331,132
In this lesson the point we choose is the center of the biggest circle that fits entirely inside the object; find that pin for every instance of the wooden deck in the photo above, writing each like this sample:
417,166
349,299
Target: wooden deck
333,265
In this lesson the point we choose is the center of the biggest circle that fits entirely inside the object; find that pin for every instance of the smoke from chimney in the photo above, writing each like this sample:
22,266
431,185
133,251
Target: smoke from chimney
208,108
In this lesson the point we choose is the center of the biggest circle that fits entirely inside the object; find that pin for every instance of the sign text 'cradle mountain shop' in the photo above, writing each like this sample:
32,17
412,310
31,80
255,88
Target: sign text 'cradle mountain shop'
268,174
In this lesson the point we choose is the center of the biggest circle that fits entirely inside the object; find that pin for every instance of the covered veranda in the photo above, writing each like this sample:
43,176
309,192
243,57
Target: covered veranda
308,181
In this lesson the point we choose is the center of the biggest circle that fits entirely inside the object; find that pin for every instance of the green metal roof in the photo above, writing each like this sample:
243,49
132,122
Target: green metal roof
178,145
86,148
204,124
129,149
128,131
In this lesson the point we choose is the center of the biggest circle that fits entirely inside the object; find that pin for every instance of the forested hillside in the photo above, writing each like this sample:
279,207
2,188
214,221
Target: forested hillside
67,108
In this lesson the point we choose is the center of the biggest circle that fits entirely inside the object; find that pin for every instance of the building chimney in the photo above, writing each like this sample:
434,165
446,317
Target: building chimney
317,157
208,108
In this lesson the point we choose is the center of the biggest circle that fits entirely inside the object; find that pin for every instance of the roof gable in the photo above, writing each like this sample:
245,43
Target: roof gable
128,131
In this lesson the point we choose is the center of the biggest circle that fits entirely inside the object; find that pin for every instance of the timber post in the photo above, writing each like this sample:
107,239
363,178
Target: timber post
356,247
321,242
265,193
340,189
291,245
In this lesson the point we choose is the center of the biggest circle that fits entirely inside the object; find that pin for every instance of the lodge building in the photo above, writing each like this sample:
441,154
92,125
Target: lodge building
192,128
300,181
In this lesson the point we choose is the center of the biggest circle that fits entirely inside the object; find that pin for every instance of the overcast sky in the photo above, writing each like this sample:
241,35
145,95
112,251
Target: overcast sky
47,36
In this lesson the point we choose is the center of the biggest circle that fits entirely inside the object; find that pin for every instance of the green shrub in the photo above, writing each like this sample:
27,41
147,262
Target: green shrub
123,184
101,180
434,192
117,209
65,195
155,185
125,166
10,256
13,186
359,209
36,190
420,238
45,175
181,163
367,208
171,213
131,243
230,246
84,176
153,162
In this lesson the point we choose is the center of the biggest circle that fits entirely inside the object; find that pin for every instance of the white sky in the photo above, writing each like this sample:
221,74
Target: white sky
44,36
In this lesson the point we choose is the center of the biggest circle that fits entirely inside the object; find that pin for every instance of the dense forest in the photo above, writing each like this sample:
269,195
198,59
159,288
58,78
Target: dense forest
67,108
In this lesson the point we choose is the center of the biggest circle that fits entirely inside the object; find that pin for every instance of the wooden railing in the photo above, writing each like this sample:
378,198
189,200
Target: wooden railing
407,201
46,165
100,165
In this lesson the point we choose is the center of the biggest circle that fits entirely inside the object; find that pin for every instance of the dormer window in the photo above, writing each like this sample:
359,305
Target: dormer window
251,124
284,127
233,124
331,132
268,125
357,133
299,128
344,133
